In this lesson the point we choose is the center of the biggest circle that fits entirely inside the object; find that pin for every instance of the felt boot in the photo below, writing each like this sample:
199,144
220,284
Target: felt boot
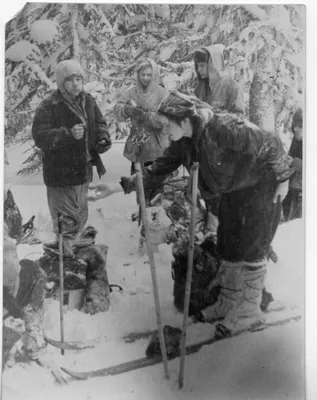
247,311
230,280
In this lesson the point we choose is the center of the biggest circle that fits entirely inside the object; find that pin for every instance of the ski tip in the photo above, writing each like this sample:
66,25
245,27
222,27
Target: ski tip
85,344
77,375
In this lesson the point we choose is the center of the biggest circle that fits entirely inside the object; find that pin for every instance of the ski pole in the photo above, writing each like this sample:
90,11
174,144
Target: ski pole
61,273
194,176
140,189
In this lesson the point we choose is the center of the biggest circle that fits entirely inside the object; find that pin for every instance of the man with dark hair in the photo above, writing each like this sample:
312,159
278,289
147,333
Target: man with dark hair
214,86
250,169
71,132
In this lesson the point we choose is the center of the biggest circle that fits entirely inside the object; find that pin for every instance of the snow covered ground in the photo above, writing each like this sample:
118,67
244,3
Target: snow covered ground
265,365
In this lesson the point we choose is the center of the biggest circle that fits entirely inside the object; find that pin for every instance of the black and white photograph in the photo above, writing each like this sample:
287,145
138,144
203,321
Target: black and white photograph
154,202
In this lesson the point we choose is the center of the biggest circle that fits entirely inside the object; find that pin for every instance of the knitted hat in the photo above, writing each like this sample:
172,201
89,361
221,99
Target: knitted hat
65,69
178,105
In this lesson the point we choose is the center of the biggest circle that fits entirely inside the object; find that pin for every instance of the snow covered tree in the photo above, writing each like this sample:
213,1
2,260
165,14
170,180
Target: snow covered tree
263,46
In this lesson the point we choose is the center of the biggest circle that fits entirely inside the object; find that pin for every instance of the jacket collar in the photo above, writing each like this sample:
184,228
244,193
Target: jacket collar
57,97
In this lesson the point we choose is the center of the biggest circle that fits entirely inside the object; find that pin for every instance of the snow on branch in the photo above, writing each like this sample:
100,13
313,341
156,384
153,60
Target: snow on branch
43,30
255,11
102,17
40,73
76,43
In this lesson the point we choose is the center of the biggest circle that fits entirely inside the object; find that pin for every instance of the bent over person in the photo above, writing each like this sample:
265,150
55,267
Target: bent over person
250,169
71,132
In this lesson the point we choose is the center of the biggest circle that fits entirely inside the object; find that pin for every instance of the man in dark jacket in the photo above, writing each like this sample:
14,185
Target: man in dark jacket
221,92
71,132
292,205
250,169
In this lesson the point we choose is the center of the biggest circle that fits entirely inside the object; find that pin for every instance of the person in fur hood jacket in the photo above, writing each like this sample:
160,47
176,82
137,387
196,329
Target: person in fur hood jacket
250,169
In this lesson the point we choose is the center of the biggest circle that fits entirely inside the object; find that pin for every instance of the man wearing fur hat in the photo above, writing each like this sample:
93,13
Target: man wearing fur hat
71,132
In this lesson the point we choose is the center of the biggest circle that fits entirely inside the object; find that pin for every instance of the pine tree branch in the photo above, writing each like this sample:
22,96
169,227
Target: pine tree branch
99,50
21,101
76,42
111,78
51,60
40,73
104,20
127,10
255,11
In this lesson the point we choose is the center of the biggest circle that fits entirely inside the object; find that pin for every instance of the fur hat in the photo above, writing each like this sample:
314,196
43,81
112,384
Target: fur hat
65,69
178,105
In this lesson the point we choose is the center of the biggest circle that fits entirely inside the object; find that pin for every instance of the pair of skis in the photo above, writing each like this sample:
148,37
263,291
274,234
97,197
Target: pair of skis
273,320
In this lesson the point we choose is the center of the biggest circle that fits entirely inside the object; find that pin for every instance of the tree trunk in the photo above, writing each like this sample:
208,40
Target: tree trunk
261,104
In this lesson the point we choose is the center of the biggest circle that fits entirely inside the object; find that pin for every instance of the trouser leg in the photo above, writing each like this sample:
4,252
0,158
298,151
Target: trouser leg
82,206
248,221
71,202
229,278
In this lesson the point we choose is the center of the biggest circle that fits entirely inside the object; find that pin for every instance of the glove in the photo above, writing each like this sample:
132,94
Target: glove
134,112
102,145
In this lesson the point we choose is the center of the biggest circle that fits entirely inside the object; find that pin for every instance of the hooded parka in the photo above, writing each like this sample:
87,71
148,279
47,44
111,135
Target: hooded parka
223,92
148,99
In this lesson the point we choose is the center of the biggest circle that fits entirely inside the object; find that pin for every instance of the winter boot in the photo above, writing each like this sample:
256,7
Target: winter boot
247,311
86,238
230,281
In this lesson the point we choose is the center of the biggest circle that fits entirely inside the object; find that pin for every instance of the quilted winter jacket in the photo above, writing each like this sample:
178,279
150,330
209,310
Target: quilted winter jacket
232,153
65,158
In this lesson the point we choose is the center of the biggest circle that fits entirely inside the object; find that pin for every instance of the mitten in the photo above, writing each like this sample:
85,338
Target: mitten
102,146
134,112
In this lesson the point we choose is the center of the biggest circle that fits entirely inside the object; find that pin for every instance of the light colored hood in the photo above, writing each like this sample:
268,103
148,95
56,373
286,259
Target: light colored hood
215,58
155,79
